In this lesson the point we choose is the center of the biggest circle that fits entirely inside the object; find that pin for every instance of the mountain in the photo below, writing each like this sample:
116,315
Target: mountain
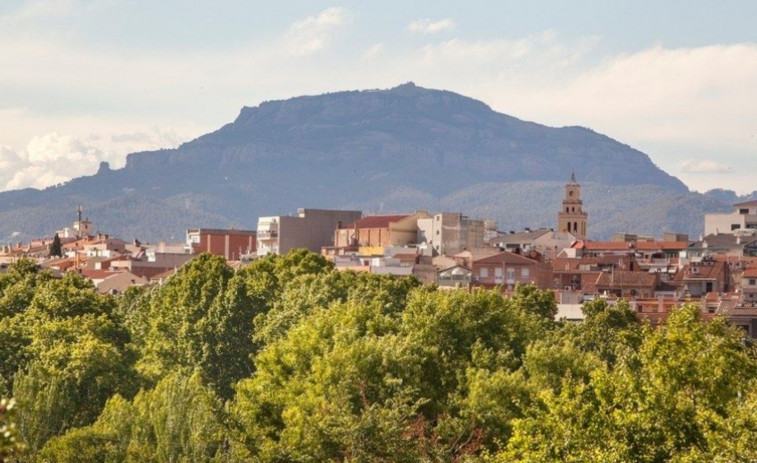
400,149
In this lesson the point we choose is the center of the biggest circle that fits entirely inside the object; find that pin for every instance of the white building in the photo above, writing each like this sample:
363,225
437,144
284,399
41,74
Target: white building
743,220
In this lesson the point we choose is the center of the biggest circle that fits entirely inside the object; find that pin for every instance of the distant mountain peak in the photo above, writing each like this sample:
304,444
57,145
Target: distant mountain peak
408,146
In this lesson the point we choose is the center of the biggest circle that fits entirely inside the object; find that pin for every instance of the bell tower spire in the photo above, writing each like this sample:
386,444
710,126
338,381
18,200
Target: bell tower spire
572,218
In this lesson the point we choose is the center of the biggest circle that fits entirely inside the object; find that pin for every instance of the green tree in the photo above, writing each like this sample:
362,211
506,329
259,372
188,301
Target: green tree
56,249
177,421
672,399
9,446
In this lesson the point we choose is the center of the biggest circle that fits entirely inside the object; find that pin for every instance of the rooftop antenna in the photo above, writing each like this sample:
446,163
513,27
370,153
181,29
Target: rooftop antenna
573,176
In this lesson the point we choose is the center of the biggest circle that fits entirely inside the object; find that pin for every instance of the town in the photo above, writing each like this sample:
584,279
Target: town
717,270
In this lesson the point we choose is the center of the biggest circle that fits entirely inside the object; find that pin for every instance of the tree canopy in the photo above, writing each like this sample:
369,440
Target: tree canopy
290,360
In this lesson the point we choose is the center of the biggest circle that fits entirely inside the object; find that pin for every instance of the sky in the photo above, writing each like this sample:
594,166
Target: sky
85,81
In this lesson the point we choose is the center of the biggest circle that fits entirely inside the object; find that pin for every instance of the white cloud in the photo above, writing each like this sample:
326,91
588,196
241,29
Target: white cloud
54,158
374,51
314,33
663,101
704,167
430,26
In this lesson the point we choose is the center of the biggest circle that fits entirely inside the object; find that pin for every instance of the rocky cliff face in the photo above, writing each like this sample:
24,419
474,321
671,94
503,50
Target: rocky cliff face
400,149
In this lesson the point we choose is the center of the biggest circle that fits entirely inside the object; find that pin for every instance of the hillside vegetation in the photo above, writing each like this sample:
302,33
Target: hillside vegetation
393,150
288,360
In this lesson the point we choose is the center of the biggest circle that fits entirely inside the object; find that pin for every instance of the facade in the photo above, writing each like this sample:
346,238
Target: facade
545,241
507,269
230,244
627,284
749,286
456,276
449,233
743,219
706,276
372,234
310,229
572,218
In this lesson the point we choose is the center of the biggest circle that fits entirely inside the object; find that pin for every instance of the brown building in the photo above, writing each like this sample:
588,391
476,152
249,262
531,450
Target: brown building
507,269
706,276
627,284
231,244
371,234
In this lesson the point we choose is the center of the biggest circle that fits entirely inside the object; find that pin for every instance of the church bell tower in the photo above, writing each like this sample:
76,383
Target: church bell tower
572,218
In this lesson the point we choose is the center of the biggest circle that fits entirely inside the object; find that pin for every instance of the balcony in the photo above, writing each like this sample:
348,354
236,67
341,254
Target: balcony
267,234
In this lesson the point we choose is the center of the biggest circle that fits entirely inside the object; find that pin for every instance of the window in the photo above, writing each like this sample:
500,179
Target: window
525,272
484,273
752,281
498,272
744,211
735,226
510,274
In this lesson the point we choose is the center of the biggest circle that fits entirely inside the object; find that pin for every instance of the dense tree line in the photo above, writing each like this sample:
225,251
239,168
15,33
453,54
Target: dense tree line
288,360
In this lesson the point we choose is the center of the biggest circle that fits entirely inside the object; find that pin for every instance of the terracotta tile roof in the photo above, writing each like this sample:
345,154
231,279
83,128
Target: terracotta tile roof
630,245
565,264
376,221
750,272
607,245
505,257
562,264
624,278
654,245
96,274
700,271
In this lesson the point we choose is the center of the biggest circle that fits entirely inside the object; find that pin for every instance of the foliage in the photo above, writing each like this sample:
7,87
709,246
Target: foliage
56,249
290,360
9,446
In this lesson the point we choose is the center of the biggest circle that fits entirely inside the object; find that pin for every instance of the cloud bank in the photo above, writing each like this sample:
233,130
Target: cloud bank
430,26
682,106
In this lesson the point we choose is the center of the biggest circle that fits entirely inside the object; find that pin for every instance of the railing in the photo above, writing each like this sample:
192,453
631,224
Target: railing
267,234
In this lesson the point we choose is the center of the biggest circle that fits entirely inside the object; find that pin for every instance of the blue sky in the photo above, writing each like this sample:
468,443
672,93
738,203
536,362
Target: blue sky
85,81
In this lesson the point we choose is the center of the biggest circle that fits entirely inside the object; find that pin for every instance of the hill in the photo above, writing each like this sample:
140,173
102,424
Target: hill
400,149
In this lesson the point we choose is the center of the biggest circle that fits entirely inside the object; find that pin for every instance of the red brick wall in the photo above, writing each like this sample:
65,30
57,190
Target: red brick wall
228,245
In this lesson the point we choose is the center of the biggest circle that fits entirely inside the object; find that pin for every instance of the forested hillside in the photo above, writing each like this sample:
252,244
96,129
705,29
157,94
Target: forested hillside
396,150
288,360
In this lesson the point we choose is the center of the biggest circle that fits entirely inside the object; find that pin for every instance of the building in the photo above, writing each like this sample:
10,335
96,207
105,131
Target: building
627,284
507,269
449,233
743,219
310,229
727,244
545,241
80,228
572,218
372,234
701,277
230,244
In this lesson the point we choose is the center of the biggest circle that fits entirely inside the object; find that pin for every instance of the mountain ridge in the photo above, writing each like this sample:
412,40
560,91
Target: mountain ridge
404,148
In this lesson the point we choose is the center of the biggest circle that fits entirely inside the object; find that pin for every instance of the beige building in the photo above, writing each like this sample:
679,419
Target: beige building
449,233
572,218
743,219
371,235
310,229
